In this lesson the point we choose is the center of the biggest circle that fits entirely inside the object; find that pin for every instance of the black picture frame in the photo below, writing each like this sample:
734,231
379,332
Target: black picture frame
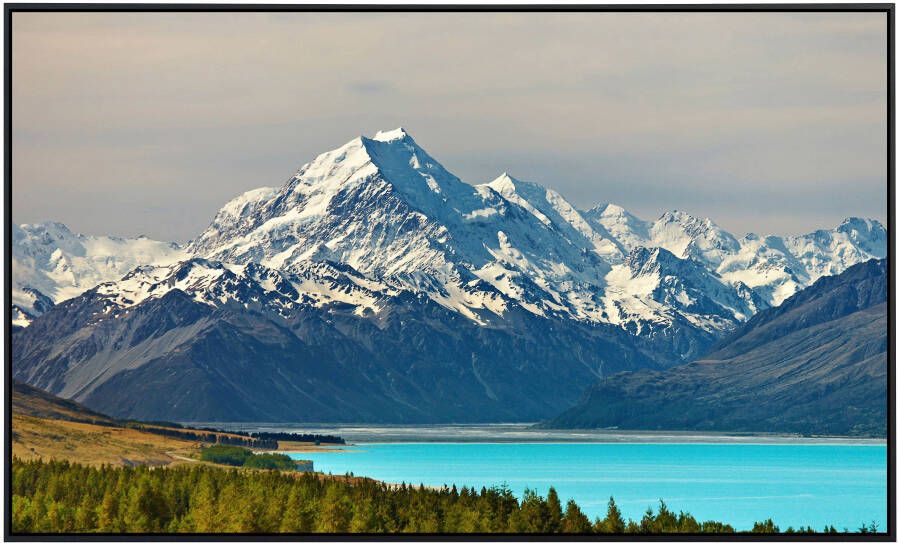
11,8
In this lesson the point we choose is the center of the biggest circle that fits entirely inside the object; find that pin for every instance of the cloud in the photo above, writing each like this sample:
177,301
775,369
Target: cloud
779,113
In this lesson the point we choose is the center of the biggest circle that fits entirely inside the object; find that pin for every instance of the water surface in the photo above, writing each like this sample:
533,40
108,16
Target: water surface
734,478
795,484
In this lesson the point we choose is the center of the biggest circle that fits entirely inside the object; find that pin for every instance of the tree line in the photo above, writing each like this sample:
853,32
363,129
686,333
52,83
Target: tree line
58,496
287,436
238,456
207,436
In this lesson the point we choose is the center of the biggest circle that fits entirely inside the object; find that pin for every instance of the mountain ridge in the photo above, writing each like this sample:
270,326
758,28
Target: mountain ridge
815,365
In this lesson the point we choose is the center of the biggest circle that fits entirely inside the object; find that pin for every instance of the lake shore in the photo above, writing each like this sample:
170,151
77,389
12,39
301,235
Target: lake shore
294,447
524,433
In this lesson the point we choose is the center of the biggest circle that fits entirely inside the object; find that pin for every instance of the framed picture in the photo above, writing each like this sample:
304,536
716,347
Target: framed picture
449,272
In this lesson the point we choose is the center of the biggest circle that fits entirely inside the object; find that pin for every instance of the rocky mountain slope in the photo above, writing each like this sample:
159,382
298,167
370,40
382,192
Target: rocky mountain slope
208,341
814,365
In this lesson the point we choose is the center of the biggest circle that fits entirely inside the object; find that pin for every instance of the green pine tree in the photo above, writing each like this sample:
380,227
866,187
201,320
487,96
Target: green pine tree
575,522
613,522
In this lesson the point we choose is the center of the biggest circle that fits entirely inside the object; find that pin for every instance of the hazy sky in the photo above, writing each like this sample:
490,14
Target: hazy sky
132,124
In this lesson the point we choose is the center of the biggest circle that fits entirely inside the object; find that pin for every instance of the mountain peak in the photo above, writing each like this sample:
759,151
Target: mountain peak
677,216
387,136
53,227
507,184
503,184
649,259
858,223
608,209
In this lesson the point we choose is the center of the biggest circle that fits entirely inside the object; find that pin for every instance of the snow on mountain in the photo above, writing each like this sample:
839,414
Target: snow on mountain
380,217
830,252
776,267
236,214
616,223
248,285
553,210
384,207
680,233
655,282
50,263
689,237
20,319
309,284
31,303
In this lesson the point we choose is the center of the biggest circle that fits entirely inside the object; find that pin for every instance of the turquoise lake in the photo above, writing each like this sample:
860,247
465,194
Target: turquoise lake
796,484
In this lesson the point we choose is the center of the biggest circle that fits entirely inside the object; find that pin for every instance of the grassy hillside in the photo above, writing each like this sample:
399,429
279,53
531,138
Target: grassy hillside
35,438
45,427
34,402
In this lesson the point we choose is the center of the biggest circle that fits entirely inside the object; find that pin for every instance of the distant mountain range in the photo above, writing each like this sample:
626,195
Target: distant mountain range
814,365
375,285
50,264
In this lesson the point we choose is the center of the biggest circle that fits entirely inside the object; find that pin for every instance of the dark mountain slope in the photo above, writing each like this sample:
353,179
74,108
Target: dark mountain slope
264,356
814,365
859,287
34,402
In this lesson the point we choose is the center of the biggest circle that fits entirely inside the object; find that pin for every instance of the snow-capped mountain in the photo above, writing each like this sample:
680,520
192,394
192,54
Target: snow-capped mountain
550,208
31,303
50,264
389,210
776,267
376,285
312,285
678,291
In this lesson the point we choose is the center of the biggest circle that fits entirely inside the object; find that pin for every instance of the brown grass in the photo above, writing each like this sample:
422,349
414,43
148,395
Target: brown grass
91,444
304,446
46,427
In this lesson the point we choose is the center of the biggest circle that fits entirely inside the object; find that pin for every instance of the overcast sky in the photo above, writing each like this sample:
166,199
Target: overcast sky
131,124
